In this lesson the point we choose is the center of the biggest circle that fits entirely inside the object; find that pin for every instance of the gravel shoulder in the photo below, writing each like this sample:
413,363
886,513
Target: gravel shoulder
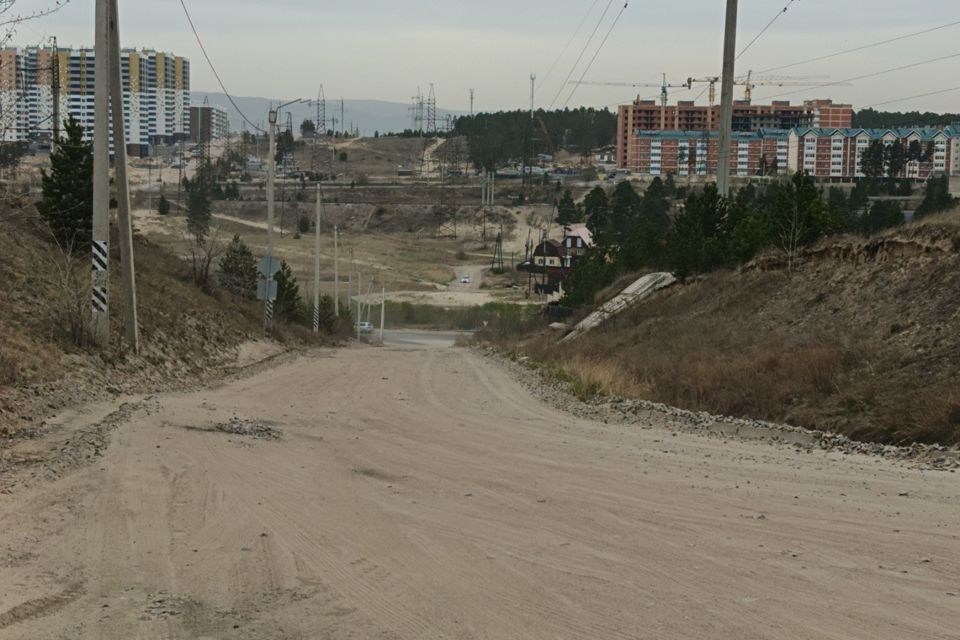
425,493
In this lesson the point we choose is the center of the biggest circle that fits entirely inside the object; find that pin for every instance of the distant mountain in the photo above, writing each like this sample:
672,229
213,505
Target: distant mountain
367,115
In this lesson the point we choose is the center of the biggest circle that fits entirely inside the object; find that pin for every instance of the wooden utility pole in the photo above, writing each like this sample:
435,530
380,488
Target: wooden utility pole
383,308
316,267
124,221
336,271
100,245
55,87
726,100
271,175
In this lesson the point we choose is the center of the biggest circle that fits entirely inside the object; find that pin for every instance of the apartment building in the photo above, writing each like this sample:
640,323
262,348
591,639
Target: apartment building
156,88
644,116
208,122
837,153
695,153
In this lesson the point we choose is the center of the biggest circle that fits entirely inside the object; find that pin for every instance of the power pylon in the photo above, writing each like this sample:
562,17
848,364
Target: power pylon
321,112
432,111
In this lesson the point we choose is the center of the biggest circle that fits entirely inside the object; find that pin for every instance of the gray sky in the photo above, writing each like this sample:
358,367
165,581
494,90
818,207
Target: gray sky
384,49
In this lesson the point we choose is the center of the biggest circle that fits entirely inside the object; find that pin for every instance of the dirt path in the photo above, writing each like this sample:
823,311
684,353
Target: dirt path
421,493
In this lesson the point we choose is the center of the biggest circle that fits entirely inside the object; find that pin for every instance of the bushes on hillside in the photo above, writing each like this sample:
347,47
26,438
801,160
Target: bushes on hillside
707,232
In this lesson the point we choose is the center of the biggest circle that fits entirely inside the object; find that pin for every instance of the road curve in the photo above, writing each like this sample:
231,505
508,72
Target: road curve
421,493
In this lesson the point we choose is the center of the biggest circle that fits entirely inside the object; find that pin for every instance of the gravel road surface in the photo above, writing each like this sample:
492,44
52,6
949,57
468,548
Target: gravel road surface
417,492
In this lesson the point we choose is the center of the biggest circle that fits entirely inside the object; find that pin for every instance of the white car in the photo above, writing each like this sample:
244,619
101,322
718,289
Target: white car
366,327
464,279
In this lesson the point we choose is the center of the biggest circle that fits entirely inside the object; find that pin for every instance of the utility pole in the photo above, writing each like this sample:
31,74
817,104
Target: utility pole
471,101
271,176
55,87
316,268
124,222
342,120
359,301
100,248
336,271
726,99
383,308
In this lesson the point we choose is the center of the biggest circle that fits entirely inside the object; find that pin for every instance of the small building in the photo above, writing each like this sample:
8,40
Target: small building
550,254
577,239
404,172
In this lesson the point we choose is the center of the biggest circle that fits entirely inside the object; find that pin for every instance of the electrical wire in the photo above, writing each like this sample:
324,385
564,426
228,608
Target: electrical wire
919,95
214,69
764,30
865,76
582,51
569,42
860,48
596,53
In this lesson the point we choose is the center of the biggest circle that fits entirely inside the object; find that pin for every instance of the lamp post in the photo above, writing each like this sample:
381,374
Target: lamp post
271,178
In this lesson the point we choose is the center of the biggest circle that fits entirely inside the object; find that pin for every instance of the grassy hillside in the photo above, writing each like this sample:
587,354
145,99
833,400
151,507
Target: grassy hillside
186,334
863,338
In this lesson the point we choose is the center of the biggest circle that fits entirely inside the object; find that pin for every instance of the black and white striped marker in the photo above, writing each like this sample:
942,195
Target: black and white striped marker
100,255
99,299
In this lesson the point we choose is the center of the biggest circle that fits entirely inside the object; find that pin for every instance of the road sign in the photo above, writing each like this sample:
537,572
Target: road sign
266,289
268,266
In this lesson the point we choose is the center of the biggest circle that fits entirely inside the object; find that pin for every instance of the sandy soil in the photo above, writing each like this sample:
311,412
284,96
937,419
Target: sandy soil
422,493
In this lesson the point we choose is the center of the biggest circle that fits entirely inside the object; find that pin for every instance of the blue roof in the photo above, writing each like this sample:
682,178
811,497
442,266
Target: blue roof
924,133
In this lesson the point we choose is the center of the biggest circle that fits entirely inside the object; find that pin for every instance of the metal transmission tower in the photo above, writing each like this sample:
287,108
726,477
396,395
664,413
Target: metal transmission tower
497,264
416,112
471,101
432,111
321,112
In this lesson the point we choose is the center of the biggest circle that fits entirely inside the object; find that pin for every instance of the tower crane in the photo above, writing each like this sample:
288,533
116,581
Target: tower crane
663,86
749,82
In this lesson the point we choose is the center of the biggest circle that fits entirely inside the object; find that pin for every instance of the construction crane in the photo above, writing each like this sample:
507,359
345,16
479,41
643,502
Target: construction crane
749,82
663,86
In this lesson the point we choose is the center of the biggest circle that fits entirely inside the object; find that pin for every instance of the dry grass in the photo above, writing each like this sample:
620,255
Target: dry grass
870,351
9,369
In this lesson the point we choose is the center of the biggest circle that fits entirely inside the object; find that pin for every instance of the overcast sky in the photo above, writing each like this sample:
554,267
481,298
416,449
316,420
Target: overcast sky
385,49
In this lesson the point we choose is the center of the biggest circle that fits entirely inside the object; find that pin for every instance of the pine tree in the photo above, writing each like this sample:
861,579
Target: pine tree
163,205
567,210
198,205
288,306
67,203
238,269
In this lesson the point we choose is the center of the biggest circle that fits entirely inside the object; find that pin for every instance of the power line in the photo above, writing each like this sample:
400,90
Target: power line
596,53
764,30
865,76
860,48
214,69
582,51
919,95
569,42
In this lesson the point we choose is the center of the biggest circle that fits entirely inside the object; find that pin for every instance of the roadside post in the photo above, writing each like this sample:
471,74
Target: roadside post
267,288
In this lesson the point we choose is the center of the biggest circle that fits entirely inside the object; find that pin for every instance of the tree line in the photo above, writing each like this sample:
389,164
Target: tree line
494,139
872,119
700,231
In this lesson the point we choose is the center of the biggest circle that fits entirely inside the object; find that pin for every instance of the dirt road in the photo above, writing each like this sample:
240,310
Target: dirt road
421,493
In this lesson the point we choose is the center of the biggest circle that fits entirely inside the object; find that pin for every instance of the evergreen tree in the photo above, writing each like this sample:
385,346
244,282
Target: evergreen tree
163,205
670,186
67,202
696,242
596,209
238,269
198,205
883,214
655,206
936,197
624,212
288,306
567,210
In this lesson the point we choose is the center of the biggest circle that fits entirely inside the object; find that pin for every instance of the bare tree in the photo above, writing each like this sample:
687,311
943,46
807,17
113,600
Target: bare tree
71,284
202,255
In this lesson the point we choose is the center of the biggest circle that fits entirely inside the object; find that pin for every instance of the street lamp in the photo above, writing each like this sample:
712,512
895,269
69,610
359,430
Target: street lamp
271,177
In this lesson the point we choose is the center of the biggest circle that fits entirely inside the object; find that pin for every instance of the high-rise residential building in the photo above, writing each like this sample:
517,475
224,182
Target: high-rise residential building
645,116
838,153
208,122
156,87
695,153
